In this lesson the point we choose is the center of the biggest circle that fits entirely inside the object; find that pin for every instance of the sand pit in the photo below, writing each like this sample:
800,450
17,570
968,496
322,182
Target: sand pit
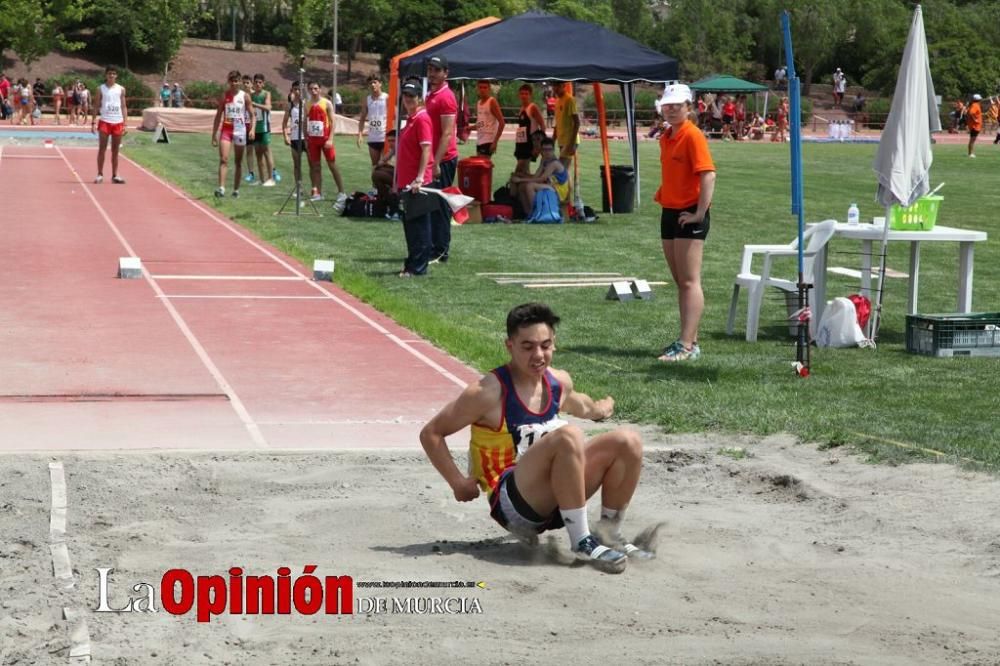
788,555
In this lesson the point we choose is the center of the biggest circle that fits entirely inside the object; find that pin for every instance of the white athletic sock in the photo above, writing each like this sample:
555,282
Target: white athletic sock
614,515
576,524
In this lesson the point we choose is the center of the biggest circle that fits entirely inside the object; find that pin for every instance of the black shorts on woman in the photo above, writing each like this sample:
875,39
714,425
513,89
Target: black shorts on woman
671,229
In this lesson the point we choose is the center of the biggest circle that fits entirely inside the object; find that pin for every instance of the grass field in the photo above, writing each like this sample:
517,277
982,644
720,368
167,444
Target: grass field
886,400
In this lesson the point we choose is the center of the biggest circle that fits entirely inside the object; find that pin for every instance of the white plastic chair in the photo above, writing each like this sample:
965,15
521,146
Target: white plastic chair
815,236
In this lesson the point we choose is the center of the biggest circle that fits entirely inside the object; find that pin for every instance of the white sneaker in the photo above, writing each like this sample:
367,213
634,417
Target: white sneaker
268,183
599,556
972,155
340,203
220,192
99,180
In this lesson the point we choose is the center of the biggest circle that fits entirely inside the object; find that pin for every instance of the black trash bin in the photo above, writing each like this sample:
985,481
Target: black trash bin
622,187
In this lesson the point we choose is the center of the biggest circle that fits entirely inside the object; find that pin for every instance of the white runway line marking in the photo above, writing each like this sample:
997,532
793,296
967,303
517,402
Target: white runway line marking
79,637
239,233
568,274
332,422
554,285
247,297
241,411
33,157
265,278
61,567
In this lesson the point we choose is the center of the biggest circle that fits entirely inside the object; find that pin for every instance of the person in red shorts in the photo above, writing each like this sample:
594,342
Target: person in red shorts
236,113
320,122
110,106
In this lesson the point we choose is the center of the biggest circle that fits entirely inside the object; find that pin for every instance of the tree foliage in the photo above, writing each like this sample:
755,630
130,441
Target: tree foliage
32,28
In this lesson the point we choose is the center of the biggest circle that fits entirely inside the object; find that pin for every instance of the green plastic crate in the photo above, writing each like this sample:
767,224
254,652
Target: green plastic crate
948,335
921,216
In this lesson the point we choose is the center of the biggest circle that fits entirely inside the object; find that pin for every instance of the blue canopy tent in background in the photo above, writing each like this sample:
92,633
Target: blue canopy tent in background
536,46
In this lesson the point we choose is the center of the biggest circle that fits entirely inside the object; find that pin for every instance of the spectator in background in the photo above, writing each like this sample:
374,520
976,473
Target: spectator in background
489,120
374,113
4,92
57,100
38,90
72,102
165,95
728,117
782,124
741,117
177,96
567,134
83,108
839,88
338,104
974,121
529,122
780,77
442,108
550,107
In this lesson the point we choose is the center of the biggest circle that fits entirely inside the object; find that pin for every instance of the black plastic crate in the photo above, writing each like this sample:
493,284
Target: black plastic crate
947,335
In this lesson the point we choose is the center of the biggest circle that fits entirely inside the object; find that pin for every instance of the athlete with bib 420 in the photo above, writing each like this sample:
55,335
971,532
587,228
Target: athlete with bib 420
236,113
111,109
537,469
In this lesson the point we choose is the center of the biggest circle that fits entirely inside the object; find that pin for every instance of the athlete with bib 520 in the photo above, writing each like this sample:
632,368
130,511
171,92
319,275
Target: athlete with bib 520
537,469
112,110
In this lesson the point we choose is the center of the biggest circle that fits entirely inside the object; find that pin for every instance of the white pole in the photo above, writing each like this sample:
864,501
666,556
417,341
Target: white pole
336,59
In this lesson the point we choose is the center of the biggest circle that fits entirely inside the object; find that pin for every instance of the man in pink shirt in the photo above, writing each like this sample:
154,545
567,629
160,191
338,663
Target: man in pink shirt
443,110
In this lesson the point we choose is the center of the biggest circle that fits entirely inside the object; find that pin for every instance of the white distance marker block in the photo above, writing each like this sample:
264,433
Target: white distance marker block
129,267
620,291
642,290
323,270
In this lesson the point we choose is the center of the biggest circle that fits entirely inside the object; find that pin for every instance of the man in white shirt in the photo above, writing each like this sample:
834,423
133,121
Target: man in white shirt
110,106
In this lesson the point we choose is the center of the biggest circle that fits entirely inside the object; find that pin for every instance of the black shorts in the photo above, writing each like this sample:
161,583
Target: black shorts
728,120
377,145
297,145
518,516
973,134
484,149
671,229
524,151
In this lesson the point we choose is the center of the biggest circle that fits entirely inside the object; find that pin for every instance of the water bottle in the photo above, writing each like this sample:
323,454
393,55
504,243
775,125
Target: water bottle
853,215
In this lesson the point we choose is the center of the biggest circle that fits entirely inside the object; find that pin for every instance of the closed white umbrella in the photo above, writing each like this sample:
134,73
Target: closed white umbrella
904,157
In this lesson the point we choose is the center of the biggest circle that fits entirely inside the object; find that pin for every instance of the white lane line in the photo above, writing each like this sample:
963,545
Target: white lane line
556,285
61,567
238,406
79,636
33,157
267,278
239,233
551,275
247,297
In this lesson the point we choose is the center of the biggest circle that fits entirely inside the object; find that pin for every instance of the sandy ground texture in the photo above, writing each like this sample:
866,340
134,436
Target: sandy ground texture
790,555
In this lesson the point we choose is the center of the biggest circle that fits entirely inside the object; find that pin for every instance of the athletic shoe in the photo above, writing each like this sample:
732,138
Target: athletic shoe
249,178
340,203
678,352
275,176
316,196
99,179
236,194
220,192
609,532
972,155
268,183
601,557
117,180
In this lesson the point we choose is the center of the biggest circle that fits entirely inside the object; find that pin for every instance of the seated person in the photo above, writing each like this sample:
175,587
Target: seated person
551,175
756,129
382,175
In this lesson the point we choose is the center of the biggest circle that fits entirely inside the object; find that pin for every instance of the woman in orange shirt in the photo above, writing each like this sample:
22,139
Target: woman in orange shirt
974,121
687,183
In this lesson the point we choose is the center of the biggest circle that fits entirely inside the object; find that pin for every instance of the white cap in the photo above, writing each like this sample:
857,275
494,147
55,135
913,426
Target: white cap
676,93
976,97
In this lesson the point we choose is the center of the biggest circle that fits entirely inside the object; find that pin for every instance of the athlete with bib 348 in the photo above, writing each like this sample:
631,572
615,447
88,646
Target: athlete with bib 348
537,469
237,116
112,109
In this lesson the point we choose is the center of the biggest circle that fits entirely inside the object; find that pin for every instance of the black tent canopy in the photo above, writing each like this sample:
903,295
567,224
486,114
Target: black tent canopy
536,46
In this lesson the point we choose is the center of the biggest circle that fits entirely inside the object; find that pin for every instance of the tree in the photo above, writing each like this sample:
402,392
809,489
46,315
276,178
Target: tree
33,28
154,28
706,36
633,19
307,20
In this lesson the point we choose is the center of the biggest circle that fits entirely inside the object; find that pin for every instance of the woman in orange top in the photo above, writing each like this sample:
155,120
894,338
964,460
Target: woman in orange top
974,121
687,183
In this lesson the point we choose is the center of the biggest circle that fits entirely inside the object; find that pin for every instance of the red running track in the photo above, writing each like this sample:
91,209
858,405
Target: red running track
224,343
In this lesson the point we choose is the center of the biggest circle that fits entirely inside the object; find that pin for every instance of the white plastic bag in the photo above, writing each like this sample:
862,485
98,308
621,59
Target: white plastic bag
839,325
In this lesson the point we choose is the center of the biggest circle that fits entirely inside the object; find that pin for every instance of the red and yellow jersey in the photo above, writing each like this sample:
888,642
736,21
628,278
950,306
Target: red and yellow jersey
492,450
318,121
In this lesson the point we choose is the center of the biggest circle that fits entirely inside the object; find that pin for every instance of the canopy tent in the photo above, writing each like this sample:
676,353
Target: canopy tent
521,48
724,83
